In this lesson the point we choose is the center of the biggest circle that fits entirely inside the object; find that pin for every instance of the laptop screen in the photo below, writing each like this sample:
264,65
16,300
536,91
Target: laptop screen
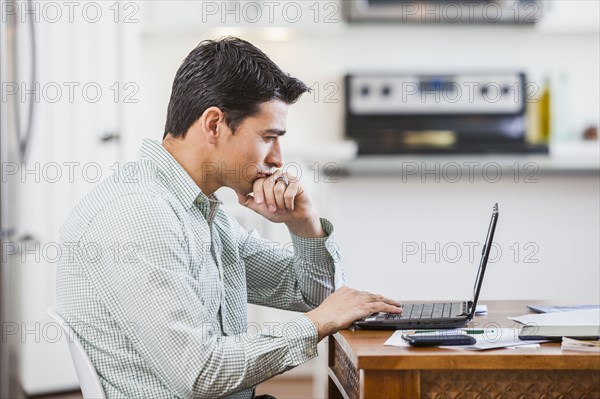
485,254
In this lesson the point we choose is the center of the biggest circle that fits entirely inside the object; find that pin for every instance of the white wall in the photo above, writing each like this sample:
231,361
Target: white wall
411,239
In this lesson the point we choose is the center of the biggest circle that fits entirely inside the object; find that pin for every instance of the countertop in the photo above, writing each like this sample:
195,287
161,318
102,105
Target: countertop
580,157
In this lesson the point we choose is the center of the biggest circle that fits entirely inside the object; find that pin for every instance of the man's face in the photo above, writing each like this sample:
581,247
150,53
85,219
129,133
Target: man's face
254,150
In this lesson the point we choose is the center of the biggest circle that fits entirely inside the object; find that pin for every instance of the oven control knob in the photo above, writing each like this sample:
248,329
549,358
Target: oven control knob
484,90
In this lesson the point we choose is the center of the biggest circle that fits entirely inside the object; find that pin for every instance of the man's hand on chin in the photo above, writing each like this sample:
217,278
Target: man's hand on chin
283,200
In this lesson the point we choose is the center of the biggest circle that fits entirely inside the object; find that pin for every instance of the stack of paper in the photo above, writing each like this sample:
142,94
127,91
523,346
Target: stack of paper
583,324
561,308
580,345
574,318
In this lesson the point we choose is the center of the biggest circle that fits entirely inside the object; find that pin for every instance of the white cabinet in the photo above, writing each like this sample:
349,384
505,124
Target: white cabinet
317,16
570,16
273,19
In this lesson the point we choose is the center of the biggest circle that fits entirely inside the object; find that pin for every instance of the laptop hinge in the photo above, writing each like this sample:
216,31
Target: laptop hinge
470,310
467,312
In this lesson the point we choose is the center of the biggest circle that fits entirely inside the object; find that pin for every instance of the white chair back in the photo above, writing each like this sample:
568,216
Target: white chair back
88,378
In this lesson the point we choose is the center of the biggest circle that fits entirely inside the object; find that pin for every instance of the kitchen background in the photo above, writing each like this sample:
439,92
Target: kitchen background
102,73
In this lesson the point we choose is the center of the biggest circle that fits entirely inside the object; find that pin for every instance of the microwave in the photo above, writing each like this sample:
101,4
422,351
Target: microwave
476,12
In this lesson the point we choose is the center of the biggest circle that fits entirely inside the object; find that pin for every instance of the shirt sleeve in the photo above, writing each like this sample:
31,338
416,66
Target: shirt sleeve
297,278
151,294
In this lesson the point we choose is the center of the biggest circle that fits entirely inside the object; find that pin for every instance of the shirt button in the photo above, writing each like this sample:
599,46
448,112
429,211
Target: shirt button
311,352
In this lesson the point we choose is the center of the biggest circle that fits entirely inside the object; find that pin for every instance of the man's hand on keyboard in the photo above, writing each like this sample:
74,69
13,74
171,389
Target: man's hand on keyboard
346,305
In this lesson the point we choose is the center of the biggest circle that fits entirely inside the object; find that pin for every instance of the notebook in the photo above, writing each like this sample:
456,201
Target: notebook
436,315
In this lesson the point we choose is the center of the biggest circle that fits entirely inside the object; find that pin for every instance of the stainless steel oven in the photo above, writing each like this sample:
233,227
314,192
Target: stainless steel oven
444,113
444,11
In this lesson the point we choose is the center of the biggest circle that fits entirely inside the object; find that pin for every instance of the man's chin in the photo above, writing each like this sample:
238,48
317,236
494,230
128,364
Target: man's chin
247,188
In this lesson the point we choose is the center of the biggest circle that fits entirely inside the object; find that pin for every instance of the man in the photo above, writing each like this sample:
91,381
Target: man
159,277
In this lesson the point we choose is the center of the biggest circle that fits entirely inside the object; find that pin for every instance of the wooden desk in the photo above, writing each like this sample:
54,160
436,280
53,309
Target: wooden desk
360,366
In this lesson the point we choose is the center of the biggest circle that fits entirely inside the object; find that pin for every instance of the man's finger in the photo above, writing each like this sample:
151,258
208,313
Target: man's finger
383,299
257,190
374,307
279,191
268,192
390,308
248,201
290,195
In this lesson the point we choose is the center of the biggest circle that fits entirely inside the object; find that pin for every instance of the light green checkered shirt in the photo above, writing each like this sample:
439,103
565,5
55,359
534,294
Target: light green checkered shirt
157,281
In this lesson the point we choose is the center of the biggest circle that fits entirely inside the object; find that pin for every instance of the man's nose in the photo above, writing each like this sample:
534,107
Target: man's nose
275,158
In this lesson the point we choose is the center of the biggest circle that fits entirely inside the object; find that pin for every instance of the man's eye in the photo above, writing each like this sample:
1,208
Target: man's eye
271,138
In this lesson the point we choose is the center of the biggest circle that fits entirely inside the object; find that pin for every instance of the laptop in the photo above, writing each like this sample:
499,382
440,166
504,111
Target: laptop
436,315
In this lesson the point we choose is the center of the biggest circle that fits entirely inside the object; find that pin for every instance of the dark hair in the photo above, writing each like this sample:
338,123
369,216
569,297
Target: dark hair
231,74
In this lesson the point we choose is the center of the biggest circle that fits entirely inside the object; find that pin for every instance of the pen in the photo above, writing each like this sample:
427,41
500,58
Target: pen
449,332
474,331
408,332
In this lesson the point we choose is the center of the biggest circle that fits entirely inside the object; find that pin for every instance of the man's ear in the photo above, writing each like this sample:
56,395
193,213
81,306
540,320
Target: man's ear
211,123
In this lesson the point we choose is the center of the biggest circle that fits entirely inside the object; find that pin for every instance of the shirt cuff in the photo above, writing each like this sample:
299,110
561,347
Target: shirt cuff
317,250
302,338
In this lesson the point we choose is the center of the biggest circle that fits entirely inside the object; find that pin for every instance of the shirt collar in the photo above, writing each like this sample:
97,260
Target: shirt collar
174,176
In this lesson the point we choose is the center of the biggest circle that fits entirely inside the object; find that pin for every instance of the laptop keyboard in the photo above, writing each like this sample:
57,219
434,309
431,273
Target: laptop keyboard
429,311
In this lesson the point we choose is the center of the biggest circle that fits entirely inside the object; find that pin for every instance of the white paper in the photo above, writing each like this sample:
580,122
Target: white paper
396,339
481,310
496,338
574,318
532,346
491,339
